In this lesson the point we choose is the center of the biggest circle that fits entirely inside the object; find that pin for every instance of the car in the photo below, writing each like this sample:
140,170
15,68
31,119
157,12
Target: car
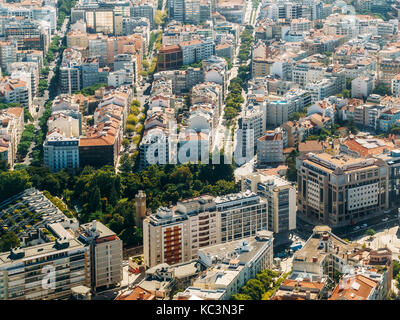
387,211
356,228
385,219
364,225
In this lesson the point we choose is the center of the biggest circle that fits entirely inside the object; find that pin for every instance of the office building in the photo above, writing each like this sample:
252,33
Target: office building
340,190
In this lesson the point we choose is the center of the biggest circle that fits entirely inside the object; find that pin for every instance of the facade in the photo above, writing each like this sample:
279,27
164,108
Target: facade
60,152
340,190
270,148
106,254
231,265
361,87
251,126
175,234
280,195
22,270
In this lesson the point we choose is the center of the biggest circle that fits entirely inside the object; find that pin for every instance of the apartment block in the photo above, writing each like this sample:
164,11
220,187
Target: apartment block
106,254
175,234
280,195
270,148
46,271
340,190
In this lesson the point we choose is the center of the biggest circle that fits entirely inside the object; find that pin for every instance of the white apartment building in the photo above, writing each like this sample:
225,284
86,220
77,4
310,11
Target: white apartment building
395,85
16,91
251,126
231,265
304,73
21,276
60,151
175,234
106,254
280,195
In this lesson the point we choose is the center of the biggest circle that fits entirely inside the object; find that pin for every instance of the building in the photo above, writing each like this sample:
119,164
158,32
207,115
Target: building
197,50
174,235
270,148
340,190
364,146
169,58
361,87
16,91
106,254
280,196
251,129
60,151
21,270
232,264
70,71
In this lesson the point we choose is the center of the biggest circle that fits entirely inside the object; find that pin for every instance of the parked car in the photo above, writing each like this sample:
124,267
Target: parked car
356,228
385,219
387,211
364,225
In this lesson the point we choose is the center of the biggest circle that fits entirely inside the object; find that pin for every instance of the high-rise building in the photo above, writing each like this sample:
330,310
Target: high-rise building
23,270
280,195
175,234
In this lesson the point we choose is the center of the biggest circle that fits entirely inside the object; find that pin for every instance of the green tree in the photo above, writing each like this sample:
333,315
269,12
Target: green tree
94,200
254,289
8,241
370,232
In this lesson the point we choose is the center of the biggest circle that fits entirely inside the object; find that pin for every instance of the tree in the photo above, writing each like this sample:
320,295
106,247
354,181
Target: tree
8,241
370,232
254,289
241,296
382,90
396,268
94,200
13,182
117,223
125,164
125,143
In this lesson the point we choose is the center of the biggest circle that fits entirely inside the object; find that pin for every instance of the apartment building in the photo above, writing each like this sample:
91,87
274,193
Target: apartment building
175,234
16,91
395,85
192,12
305,73
70,71
233,11
251,125
325,254
280,195
270,148
26,71
279,108
60,151
46,271
169,58
196,50
106,254
361,87
340,190
12,127
154,147
8,54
